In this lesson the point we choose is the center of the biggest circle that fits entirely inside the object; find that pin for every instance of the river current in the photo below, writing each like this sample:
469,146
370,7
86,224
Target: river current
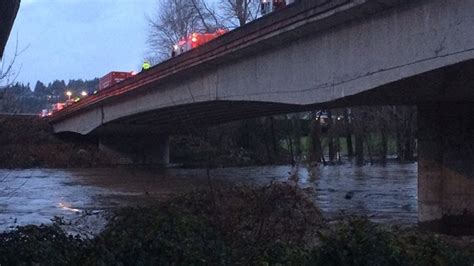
387,194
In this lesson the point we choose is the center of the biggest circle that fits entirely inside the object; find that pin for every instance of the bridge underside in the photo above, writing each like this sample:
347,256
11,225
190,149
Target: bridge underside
186,118
452,84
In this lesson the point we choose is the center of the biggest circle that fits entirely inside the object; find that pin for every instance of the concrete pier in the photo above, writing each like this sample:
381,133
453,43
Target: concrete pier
150,149
446,167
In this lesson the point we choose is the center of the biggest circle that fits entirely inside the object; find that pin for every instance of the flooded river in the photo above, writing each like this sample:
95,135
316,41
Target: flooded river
385,193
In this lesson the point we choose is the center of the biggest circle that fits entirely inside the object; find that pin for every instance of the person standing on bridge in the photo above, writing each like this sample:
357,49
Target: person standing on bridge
146,65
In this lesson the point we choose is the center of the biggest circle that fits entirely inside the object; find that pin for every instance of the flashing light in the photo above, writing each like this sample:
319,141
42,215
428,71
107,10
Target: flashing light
59,106
175,47
194,37
84,93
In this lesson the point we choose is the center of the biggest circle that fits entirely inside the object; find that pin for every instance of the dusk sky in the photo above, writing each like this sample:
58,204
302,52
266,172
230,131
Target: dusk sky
72,39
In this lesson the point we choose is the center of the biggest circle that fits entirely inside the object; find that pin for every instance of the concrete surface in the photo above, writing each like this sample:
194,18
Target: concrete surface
446,167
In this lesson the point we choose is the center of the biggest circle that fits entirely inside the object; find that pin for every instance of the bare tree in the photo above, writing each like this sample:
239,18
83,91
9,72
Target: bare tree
207,15
404,118
239,12
348,132
330,137
175,20
316,152
8,74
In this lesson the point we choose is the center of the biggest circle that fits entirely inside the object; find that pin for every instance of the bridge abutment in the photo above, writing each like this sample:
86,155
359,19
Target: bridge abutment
446,167
150,149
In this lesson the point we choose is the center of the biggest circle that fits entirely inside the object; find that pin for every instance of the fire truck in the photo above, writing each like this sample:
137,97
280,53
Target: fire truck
113,77
269,6
194,40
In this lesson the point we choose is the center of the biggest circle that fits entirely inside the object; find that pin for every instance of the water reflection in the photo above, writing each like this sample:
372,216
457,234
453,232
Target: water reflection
67,208
386,194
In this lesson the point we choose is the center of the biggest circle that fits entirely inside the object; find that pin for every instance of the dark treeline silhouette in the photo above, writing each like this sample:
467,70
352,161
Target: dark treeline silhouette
21,98
360,134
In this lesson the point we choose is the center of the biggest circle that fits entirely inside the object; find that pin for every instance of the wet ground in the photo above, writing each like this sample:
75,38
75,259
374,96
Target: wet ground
387,194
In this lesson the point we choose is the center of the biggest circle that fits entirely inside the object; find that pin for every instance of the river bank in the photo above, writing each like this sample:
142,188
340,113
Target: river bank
29,142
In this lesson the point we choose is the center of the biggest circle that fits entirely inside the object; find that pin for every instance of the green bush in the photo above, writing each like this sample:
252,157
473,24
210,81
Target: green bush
422,248
157,236
357,241
45,245
240,225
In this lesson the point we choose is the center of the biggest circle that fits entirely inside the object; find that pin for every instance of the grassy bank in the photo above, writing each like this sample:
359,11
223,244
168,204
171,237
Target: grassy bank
28,142
274,225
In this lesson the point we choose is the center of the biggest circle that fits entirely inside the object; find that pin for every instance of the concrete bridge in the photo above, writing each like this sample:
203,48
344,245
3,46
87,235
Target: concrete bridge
8,11
316,53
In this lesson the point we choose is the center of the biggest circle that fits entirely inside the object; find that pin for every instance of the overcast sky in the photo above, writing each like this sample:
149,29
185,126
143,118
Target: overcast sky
72,39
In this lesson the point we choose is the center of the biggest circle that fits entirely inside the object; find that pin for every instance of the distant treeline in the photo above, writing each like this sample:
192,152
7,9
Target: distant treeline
21,98
364,134
28,142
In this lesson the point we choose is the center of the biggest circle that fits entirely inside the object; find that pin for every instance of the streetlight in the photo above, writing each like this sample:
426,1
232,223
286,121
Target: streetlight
84,93
68,93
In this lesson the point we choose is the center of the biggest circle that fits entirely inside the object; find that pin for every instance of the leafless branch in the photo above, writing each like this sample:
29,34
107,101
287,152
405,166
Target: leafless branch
176,19
239,12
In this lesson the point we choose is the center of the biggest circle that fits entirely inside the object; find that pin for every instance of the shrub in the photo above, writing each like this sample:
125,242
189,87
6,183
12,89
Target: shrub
157,236
357,241
45,245
259,224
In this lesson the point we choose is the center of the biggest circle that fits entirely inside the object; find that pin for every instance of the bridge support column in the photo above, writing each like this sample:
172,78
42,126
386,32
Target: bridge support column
446,167
137,149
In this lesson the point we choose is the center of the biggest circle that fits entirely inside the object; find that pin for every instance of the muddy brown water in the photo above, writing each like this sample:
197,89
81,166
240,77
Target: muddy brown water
387,194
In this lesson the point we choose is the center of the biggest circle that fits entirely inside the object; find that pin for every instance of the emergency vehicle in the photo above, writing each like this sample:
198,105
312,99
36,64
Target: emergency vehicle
194,40
114,77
